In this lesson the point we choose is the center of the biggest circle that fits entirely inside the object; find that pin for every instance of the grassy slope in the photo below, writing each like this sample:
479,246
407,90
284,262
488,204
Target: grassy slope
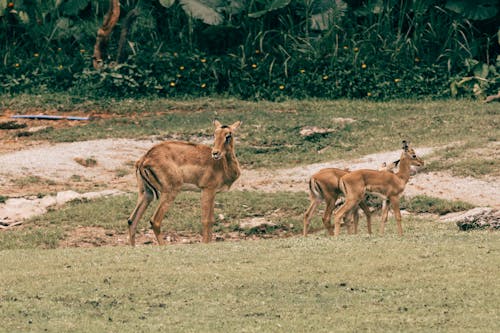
433,279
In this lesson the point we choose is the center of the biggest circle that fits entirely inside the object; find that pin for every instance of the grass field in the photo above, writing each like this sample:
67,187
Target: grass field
433,279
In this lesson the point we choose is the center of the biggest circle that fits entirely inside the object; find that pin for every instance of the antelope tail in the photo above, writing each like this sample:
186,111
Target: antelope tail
343,187
315,189
149,179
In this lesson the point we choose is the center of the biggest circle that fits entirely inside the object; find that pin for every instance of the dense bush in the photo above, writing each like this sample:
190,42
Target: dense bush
260,50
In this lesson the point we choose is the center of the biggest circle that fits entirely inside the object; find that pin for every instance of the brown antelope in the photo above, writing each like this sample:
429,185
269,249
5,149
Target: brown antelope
167,165
324,186
389,185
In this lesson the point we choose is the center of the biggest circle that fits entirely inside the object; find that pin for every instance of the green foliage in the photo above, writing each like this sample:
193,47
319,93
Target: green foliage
477,79
256,50
477,10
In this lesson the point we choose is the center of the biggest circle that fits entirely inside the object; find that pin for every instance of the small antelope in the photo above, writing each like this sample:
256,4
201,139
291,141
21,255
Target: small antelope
167,165
324,186
389,185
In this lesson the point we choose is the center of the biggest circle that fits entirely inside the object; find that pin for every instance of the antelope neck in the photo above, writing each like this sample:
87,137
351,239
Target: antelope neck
404,169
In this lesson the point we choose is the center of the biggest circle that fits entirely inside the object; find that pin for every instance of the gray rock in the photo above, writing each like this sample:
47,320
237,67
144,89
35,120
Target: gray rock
477,218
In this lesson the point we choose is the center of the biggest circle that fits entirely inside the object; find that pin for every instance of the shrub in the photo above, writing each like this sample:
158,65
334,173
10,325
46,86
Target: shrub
425,204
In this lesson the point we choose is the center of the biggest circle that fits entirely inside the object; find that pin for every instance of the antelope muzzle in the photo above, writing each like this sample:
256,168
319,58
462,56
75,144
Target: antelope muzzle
216,154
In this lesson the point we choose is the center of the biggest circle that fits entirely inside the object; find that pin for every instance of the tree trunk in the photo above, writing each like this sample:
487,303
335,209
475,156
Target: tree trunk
127,22
104,31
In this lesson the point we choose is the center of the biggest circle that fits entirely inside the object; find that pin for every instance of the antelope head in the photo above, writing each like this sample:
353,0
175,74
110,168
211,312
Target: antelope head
223,139
410,154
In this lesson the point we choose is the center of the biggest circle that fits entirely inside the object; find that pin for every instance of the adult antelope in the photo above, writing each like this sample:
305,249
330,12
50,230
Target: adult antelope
389,185
324,186
167,165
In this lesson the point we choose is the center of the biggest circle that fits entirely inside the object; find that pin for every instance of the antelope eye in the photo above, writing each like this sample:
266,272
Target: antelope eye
414,156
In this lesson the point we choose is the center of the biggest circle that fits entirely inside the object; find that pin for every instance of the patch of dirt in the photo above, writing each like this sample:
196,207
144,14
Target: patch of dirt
98,236
55,165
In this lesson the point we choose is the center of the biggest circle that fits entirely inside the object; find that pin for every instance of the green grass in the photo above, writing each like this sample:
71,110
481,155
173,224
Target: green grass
435,278
473,158
425,204
270,135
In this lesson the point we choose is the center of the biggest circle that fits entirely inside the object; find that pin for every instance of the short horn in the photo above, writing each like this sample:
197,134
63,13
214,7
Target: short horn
405,145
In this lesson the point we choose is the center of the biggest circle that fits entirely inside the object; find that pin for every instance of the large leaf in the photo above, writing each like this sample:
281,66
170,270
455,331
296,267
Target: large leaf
321,6
3,6
326,13
235,7
203,10
73,7
270,6
23,16
481,70
474,10
167,3
370,7
62,30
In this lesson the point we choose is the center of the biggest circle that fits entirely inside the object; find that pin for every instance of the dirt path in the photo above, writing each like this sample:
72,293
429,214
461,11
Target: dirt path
48,168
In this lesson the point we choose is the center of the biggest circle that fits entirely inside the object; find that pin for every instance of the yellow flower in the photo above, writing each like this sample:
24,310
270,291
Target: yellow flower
82,51
36,55
203,60
179,76
181,68
254,65
356,49
302,71
203,85
17,65
282,87
257,51
175,54
60,67
325,77
417,59
59,49
346,47
397,80
172,84
363,66
368,94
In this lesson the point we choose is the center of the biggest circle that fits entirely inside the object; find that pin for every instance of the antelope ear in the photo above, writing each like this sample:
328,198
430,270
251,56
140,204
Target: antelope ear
405,145
236,125
217,123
